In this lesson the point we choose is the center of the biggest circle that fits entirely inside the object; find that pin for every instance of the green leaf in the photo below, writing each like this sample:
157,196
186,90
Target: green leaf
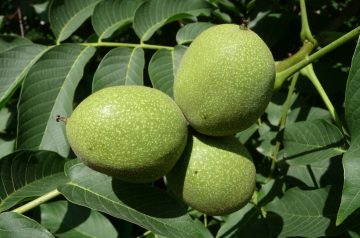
352,95
7,42
163,67
310,141
13,225
140,204
300,213
152,15
111,15
314,175
47,91
66,16
350,199
66,220
246,222
14,65
29,174
7,140
120,66
190,31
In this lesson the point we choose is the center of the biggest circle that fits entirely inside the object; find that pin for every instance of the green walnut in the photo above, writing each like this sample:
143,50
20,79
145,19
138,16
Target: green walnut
225,80
215,175
134,133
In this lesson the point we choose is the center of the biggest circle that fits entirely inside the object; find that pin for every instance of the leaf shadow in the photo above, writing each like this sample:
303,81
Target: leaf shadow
250,223
331,176
330,210
147,199
75,215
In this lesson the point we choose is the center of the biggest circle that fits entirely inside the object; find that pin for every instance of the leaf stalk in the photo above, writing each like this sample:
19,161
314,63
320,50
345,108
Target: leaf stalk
36,202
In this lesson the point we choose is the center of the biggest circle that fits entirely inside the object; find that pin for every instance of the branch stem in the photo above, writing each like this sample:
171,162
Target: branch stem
36,202
305,33
282,124
131,45
310,73
281,76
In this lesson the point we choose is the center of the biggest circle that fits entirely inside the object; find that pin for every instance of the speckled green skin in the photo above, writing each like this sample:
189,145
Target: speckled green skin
225,80
134,133
215,175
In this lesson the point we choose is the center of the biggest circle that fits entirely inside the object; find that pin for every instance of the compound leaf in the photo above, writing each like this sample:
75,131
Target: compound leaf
15,63
111,15
14,225
310,141
29,174
141,204
300,213
66,16
66,220
8,42
352,96
163,67
350,199
120,66
152,15
47,91
190,31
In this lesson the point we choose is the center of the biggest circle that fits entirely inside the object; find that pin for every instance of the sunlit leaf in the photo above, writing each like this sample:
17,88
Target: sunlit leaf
120,66
66,220
13,225
350,199
190,31
111,15
163,67
48,91
29,174
352,96
141,204
66,16
14,65
155,13
300,213
310,141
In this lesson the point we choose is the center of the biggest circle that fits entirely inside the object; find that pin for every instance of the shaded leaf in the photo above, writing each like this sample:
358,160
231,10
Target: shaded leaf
47,91
306,113
315,174
7,140
246,222
245,135
120,66
141,204
163,67
29,174
66,16
14,65
65,219
14,225
350,199
310,141
300,213
152,15
111,15
352,95
190,31
7,42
